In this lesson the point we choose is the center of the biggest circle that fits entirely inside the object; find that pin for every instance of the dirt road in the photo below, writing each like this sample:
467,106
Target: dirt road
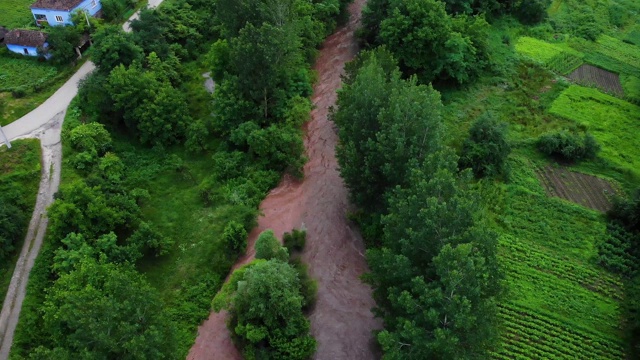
341,320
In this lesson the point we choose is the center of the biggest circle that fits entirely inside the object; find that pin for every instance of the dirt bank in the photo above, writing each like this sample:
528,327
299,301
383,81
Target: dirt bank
341,321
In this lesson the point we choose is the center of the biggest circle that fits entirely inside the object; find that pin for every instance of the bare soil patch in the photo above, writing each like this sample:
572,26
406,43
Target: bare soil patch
602,79
586,190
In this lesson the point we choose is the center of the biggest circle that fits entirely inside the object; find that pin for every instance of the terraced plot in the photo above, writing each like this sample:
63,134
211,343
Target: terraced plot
604,80
586,190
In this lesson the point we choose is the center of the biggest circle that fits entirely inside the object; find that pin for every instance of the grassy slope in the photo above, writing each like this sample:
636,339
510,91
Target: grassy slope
19,166
560,303
15,13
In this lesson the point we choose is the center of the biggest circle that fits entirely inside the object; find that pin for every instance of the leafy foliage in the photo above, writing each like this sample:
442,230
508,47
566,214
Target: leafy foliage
266,308
568,146
268,247
486,150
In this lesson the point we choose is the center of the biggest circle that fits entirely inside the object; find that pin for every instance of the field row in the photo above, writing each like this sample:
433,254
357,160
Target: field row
527,256
559,58
528,336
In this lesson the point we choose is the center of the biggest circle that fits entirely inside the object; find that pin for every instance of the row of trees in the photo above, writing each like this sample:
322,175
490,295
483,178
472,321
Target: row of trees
433,265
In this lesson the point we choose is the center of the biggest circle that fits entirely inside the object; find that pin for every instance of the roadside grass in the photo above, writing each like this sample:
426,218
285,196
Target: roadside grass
15,13
613,122
19,171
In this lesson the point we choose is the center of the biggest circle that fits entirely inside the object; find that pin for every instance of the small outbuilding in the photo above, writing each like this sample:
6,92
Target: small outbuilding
58,12
25,42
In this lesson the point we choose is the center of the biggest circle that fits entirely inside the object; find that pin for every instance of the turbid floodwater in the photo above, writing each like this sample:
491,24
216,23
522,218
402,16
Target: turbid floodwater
341,320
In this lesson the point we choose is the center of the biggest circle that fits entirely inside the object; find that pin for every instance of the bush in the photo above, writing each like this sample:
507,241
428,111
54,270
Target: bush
486,150
295,240
235,238
268,247
308,286
568,146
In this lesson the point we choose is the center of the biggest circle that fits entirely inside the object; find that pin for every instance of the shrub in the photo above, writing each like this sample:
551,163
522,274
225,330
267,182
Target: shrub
235,238
308,286
486,149
268,247
568,146
295,240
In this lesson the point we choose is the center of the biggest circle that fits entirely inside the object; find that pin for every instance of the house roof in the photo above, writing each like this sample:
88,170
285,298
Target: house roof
29,38
64,5
3,32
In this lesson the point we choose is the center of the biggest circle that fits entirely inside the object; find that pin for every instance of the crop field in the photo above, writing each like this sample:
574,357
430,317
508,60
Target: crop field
15,13
16,72
559,304
589,75
613,122
559,57
586,190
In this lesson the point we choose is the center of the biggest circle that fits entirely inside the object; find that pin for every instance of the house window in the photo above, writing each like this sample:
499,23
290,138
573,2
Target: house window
94,3
26,51
41,17
59,18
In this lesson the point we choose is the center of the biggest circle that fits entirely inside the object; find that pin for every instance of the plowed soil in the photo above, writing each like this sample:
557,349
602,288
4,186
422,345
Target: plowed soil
593,76
582,189
341,321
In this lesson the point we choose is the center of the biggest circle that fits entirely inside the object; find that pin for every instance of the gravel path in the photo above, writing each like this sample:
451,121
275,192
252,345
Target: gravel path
40,124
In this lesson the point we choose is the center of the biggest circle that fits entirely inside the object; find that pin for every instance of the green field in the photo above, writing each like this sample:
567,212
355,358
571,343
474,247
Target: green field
20,173
559,304
615,123
23,72
15,13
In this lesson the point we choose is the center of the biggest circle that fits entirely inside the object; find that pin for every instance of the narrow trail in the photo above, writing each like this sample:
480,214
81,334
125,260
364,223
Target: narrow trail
341,321
49,137
44,123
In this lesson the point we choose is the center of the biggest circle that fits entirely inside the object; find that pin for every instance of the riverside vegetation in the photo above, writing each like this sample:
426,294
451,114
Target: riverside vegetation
493,267
161,182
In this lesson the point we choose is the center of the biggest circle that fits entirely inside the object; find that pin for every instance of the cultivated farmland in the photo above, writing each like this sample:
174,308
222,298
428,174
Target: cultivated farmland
613,122
586,190
558,58
590,75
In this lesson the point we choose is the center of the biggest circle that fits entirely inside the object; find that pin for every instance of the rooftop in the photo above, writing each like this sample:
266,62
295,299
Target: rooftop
29,38
64,5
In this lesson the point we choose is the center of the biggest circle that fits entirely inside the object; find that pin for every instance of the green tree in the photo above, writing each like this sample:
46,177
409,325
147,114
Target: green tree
266,307
103,310
384,124
113,47
416,30
63,41
235,237
486,149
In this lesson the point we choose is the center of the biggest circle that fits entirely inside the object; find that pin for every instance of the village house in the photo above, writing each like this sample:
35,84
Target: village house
25,42
58,12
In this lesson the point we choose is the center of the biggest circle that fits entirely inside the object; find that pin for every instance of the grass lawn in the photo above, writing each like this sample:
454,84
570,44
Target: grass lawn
15,13
19,171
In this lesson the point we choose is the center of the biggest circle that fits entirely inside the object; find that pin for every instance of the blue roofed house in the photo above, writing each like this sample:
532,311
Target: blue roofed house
25,42
58,12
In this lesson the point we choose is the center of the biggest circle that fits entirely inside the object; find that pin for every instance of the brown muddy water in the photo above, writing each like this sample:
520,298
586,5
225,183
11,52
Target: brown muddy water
341,320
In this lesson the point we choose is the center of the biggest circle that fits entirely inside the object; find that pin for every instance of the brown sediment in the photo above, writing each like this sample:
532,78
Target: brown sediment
341,320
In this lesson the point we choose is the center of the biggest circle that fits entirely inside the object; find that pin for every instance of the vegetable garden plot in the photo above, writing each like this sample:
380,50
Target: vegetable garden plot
604,80
558,57
614,123
586,190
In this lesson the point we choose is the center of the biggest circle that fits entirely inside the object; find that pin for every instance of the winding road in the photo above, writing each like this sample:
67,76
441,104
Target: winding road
44,123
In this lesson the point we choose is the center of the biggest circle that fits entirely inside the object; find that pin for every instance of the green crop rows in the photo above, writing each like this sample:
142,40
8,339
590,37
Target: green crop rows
560,305
556,57
615,123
